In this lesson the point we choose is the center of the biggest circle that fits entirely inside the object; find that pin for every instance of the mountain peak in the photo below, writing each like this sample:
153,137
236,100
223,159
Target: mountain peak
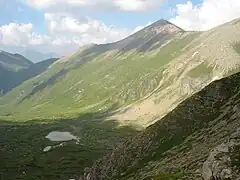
164,26
151,37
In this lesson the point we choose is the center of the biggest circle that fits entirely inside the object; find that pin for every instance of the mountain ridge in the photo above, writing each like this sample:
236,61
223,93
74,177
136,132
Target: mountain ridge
13,62
10,80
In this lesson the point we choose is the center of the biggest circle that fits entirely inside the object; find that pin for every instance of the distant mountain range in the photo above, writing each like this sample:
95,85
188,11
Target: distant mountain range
38,56
13,62
15,69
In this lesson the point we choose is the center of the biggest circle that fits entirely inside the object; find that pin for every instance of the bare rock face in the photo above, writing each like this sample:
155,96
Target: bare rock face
222,162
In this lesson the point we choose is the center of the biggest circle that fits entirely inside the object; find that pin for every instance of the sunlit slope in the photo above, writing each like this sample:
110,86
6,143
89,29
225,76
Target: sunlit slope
100,75
212,55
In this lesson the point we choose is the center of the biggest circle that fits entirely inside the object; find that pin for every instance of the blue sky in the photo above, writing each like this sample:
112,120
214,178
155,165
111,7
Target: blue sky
15,11
62,26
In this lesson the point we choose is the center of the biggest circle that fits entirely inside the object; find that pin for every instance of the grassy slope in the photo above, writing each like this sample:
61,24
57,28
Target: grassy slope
237,47
201,69
123,78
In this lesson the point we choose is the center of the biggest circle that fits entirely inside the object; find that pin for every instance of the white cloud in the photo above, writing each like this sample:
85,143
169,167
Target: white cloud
68,28
123,5
83,30
207,15
137,5
39,3
65,34
20,35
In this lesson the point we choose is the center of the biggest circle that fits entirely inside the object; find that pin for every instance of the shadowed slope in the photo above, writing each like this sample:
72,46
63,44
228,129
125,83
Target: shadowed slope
10,80
13,62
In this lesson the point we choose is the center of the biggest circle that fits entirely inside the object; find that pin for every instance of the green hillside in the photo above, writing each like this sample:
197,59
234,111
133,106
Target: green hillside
100,75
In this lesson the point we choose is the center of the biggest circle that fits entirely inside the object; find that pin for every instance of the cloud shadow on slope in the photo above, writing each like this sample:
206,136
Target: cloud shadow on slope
43,85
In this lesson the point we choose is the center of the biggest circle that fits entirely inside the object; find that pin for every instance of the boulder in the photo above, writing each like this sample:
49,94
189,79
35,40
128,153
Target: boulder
219,165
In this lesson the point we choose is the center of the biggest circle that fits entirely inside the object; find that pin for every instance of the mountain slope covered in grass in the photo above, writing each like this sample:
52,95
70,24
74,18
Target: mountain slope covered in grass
98,76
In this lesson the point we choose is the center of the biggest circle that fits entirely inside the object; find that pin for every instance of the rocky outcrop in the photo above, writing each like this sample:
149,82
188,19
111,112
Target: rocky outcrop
220,164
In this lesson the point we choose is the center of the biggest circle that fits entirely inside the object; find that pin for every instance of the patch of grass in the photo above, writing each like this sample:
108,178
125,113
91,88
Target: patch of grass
235,158
168,176
201,69
237,47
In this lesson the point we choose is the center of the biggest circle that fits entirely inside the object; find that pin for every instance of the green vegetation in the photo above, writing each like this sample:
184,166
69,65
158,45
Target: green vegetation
168,176
235,158
22,145
121,79
237,47
201,69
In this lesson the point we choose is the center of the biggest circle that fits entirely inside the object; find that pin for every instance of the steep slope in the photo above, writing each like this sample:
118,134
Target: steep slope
212,55
10,79
96,75
13,62
181,141
147,74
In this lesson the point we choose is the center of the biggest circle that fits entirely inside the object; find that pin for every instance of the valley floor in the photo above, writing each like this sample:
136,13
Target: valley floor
27,154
